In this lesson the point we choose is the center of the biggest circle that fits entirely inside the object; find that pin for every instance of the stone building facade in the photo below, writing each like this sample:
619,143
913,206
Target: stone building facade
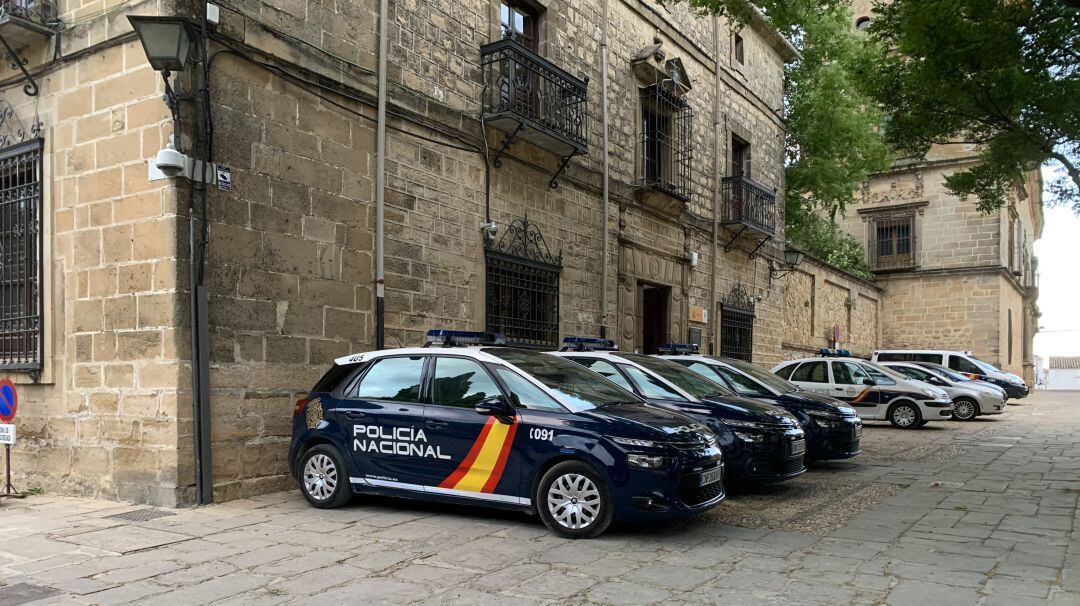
952,277
693,224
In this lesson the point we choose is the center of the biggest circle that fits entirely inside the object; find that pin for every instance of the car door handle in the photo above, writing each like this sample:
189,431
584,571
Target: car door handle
354,414
838,388
436,424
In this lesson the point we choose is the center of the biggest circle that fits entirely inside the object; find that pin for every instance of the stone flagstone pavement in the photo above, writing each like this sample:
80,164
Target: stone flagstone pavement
994,522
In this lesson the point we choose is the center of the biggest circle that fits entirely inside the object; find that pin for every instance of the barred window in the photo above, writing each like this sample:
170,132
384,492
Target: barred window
892,243
737,325
21,336
666,153
523,287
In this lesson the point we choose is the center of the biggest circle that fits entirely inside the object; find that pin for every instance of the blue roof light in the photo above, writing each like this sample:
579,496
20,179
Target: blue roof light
588,344
834,353
459,338
678,348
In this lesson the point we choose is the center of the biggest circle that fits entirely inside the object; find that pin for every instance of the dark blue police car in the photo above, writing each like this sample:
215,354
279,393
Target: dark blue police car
833,429
762,443
475,423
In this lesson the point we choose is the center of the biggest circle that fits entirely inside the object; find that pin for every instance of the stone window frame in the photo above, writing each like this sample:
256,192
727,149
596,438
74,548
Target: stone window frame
740,132
871,216
543,25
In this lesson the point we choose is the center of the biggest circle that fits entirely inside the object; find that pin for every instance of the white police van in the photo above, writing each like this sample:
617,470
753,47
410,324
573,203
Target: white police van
961,361
875,392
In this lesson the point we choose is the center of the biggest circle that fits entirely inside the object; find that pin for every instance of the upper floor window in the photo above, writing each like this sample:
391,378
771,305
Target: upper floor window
666,127
892,244
740,157
738,50
21,336
521,23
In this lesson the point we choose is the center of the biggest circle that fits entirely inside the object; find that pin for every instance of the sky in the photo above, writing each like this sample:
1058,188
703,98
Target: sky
1059,284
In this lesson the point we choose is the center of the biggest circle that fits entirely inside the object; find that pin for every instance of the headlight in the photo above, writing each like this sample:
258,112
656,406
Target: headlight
751,438
642,461
635,442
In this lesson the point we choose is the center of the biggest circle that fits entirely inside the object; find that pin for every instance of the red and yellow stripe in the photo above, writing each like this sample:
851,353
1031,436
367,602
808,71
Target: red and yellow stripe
482,468
862,396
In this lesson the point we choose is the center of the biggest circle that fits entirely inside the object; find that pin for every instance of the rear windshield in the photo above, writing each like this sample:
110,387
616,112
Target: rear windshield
683,378
334,377
570,380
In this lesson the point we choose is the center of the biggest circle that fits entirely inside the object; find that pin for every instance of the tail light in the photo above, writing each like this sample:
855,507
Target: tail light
299,408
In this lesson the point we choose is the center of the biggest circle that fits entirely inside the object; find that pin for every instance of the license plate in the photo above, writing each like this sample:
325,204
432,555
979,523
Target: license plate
713,475
798,448
858,431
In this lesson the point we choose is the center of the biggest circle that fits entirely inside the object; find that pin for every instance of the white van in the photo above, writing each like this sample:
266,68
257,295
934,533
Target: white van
961,361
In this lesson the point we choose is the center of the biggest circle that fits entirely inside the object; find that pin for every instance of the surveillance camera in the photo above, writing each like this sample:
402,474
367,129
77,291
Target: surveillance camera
170,162
491,228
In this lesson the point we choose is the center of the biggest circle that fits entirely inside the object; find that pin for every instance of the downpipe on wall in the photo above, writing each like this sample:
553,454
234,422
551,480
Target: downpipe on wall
380,182
604,192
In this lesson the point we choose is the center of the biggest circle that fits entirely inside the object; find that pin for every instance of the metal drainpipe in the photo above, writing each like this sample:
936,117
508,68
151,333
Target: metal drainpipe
714,321
604,122
380,180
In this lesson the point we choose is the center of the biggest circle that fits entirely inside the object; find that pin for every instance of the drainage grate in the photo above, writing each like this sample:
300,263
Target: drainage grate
141,515
24,593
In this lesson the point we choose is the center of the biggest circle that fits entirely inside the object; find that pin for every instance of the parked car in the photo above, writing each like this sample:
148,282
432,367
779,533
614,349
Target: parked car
469,421
762,443
833,430
960,361
962,378
970,399
875,392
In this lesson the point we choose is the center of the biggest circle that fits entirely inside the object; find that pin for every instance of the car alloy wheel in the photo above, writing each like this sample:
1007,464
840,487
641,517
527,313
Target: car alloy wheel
964,410
574,501
323,478
320,477
904,416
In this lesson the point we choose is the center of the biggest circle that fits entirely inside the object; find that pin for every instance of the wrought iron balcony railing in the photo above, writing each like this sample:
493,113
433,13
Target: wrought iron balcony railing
529,97
33,12
749,204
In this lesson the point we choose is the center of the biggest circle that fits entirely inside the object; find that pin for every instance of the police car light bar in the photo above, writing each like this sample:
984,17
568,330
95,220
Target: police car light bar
834,353
456,338
588,344
678,348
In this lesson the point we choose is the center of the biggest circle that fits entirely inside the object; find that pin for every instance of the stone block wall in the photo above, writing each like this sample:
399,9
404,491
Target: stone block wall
107,415
817,297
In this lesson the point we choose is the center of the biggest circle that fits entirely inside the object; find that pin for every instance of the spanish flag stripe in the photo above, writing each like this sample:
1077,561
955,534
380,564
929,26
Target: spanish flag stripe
496,474
862,396
477,476
467,462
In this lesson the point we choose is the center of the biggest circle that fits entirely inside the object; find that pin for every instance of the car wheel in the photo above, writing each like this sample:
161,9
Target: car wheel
573,501
965,409
905,415
324,482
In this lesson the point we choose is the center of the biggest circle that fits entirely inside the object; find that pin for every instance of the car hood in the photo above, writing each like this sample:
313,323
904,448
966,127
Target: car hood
645,421
808,400
746,409
1014,378
987,386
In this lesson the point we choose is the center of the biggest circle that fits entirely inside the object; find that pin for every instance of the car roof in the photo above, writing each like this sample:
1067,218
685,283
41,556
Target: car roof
824,359
472,351
962,352
610,353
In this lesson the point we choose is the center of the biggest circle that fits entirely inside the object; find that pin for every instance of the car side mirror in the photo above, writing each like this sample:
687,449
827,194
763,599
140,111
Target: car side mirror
868,381
496,407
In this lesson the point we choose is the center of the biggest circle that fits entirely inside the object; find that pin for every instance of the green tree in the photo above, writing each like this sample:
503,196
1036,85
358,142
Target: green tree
1001,74
833,141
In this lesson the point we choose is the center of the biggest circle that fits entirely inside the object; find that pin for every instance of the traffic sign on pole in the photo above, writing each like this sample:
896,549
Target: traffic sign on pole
9,400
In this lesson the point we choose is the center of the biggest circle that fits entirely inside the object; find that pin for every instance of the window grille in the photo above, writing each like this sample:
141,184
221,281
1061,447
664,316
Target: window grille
892,244
21,335
523,287
666,131
737,325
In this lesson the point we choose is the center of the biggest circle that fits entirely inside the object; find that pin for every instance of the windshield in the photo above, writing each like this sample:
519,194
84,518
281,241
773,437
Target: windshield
875,370
774,383
568,380
984,366
683,378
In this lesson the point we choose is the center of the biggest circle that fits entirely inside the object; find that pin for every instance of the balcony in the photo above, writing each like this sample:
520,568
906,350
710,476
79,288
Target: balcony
528,97
22,22
748,204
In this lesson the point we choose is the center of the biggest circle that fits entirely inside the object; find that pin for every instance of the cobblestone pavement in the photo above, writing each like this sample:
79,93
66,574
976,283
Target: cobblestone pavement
978,513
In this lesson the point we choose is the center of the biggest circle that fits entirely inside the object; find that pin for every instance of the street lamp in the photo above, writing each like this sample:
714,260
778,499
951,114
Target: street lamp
166,41
792,258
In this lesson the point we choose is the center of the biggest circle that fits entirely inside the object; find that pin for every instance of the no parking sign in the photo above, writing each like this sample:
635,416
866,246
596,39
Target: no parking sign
9,400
